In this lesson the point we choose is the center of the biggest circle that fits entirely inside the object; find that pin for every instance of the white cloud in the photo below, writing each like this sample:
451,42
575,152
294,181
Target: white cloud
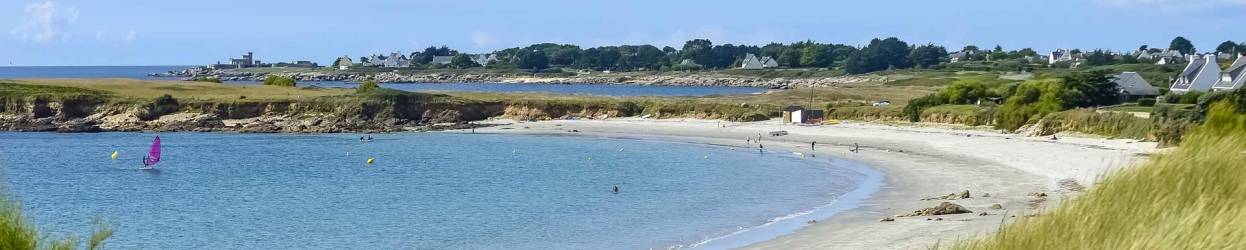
129,37
482,39
1184,3
44,22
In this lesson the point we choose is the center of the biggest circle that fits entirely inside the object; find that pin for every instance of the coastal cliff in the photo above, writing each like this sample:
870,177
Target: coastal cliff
84,110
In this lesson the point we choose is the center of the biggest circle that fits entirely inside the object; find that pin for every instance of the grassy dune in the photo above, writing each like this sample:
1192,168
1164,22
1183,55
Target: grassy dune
144,89
1190,198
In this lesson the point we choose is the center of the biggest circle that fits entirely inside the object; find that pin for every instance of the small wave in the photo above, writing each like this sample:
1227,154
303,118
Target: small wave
769,222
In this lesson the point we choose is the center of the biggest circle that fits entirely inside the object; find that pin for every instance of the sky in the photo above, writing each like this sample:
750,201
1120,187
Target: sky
176,32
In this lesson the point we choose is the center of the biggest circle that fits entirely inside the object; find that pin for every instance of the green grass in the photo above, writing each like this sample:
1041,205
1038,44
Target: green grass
1131,107
1189,198
146,90
11,89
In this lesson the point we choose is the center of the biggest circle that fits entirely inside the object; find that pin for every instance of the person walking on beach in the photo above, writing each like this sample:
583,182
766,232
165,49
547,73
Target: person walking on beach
812,144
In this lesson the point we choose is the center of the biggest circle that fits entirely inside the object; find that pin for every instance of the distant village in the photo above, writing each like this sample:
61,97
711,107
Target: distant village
1202,72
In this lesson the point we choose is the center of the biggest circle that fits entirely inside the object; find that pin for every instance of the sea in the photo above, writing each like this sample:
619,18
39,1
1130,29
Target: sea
437,190
423,190
141,72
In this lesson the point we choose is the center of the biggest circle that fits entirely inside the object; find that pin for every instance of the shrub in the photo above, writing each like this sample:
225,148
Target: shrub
1171,98
162,105
1191,97
1146,102
276,80
367,86
206,79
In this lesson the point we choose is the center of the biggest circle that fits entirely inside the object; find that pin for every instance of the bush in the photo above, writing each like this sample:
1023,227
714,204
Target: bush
206,79
367,86
1146,102
162,105
1171,98
1191,97
276,80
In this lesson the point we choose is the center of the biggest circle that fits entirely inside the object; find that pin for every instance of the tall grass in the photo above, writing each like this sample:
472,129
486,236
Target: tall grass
1113,124
18,233
1191,198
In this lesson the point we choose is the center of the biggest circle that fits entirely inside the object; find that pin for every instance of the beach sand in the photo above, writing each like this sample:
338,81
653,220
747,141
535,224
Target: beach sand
918,162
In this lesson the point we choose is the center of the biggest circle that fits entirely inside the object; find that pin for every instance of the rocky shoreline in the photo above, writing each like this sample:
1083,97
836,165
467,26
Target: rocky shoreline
700,80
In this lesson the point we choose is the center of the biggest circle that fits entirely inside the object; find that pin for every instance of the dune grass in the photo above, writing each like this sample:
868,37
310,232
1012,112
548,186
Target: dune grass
1190,198
18,233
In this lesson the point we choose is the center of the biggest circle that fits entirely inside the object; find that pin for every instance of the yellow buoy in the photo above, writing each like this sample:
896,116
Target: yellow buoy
114,155
370,160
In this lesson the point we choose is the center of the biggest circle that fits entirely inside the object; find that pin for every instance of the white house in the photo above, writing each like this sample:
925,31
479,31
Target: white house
1062,55
1200,75
442,60
483,59
343,63
396,60
689,63
752,62
1233,77
1161,57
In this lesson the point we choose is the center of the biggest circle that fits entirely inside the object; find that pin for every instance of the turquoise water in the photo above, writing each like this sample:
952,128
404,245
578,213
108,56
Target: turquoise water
425,191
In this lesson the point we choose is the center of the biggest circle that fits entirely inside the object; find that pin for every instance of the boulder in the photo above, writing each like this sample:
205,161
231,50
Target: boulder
997,206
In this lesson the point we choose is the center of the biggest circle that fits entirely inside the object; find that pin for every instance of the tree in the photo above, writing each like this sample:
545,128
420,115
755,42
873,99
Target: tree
367,86
890,53
1100,57
789,57
534,60
928,55
1090,88
816,55
463,61
699,50
973,48
1182,45
1227,47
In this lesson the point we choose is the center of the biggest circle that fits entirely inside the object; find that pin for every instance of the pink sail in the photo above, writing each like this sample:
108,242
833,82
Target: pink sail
154,155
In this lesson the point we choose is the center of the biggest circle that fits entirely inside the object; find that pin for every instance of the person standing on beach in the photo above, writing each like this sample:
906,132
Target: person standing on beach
813,144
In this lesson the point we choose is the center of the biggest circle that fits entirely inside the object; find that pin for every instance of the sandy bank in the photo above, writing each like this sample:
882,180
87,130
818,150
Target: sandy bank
918,163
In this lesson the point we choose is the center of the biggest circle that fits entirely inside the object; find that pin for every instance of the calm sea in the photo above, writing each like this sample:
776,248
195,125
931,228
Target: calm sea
140,72
425,190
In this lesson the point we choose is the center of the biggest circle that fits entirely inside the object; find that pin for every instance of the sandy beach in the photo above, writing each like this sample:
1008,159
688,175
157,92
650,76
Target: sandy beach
919,162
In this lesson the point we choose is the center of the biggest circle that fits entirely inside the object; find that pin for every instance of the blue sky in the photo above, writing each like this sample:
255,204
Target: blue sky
164,32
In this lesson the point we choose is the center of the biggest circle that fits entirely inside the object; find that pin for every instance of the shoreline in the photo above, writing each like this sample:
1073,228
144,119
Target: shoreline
916,163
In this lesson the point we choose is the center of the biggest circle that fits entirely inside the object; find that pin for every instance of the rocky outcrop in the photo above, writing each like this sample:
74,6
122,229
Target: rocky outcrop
707,79
951,196
386,114
941,209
